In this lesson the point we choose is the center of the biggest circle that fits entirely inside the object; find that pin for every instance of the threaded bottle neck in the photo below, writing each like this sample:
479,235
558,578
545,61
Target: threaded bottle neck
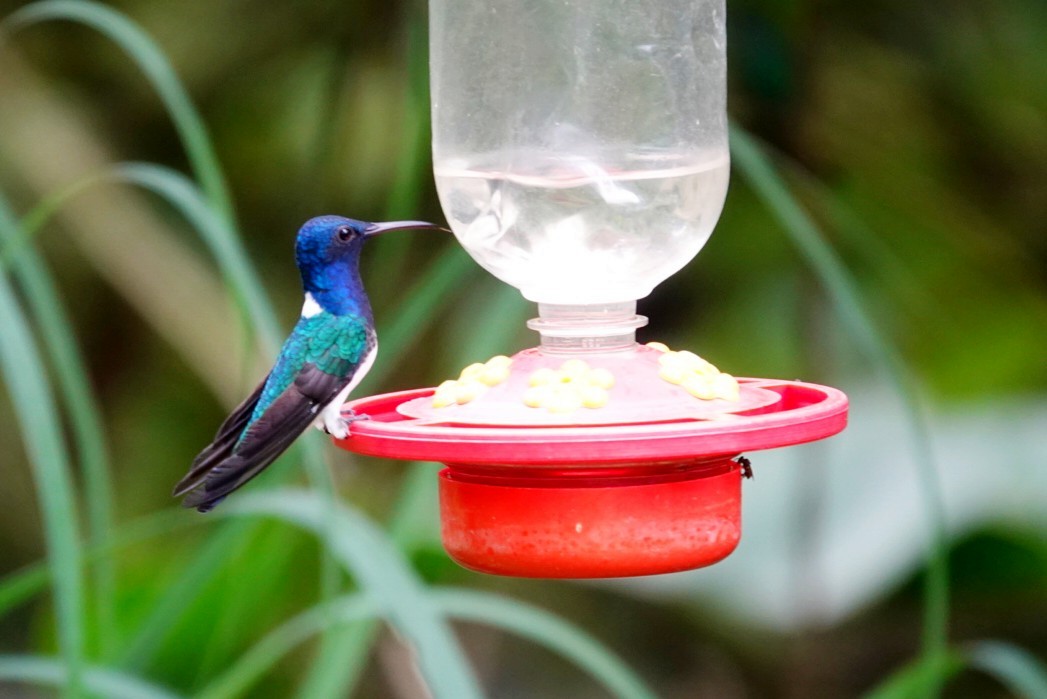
580,329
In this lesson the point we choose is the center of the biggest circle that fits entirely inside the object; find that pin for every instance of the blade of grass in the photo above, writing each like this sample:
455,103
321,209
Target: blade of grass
23,584
271,554
750,159
365,552
522,619
144,52
856,234
158,276
101,681
252,300
220,238
43,212
430,293
508,614
333,663
163,619
181,193
413,158
546,629
49,315
919,678
1016,668
417,491
342,656
410,525
252,665
134,41
504,313
256,310
433,292
37,415
412,317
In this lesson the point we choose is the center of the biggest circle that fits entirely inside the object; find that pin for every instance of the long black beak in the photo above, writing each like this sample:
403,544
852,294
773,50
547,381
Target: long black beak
379,228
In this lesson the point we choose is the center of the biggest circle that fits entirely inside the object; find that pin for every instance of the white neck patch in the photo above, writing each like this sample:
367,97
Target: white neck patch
310,308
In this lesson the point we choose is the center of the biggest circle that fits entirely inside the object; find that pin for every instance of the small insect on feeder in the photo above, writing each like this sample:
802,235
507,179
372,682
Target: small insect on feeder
580,155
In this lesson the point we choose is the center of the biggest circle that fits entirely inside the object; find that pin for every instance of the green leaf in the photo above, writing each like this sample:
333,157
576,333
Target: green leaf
1016,668
842,290
141,49
39,421
101,681
260,658
922,678
163,618
384,575
23,584
547,629
48,313
522,619
432,292
221,239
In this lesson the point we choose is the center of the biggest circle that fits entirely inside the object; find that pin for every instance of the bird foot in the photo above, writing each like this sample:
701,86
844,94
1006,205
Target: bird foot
350,416
339,426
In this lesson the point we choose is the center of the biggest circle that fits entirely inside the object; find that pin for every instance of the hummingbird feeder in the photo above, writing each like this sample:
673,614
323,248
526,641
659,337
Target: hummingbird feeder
580,153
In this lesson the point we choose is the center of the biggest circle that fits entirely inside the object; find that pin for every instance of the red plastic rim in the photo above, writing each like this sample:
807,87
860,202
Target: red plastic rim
539,526
805,413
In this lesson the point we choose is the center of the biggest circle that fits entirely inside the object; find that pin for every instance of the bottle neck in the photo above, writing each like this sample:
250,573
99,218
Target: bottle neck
591,328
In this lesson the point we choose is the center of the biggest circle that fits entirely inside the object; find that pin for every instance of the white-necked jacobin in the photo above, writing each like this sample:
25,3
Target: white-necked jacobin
327,354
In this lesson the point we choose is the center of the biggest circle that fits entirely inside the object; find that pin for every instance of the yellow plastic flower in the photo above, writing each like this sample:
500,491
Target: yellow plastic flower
472,382
695,375
573,385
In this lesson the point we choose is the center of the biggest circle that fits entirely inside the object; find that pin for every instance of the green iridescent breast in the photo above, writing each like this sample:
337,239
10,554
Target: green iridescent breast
335,344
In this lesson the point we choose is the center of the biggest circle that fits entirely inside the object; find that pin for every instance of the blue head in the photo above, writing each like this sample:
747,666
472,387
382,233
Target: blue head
328,255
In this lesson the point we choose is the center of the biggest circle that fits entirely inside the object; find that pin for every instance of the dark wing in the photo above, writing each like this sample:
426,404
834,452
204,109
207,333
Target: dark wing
222,446
269,436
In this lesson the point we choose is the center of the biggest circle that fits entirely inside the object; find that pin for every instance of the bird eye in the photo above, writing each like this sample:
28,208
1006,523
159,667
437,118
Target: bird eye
345,233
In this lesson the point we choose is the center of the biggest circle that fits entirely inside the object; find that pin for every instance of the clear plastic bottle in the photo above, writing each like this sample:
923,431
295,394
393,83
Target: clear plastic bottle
580,146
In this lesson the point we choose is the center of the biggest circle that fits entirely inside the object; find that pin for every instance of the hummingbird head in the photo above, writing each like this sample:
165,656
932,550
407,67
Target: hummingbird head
327,251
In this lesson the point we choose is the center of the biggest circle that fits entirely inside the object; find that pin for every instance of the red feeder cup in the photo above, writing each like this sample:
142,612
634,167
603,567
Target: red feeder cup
622,463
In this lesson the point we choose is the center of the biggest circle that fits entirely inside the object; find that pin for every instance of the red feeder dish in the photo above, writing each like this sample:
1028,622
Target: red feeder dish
616,465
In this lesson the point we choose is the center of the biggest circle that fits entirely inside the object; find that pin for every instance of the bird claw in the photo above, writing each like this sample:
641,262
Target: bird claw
350,416
339,427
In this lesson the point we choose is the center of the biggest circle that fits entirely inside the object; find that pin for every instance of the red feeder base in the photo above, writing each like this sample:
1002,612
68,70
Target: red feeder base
559,524
648,491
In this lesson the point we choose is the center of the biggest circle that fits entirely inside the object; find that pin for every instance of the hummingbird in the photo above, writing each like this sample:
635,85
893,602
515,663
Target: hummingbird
328,353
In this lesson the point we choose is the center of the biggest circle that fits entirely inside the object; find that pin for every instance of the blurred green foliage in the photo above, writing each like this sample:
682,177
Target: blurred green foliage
914,135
